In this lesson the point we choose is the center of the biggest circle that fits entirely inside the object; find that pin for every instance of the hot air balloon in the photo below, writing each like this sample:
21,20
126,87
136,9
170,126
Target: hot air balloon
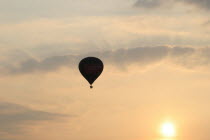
91,68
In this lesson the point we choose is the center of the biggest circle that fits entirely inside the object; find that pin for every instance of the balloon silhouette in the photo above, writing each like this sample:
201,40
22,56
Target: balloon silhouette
91,68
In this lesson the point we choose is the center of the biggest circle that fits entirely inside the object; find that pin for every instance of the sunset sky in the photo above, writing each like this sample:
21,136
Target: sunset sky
156,56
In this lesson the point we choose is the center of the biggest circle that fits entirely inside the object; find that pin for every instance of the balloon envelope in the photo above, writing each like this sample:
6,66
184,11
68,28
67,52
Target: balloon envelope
91,68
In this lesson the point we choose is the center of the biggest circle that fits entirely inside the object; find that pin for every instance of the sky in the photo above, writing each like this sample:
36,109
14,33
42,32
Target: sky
156,57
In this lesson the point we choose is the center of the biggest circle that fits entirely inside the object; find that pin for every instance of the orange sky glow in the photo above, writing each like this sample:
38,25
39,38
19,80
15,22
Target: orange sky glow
156,58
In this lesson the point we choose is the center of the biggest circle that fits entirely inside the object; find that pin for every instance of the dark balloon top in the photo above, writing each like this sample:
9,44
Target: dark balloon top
91,68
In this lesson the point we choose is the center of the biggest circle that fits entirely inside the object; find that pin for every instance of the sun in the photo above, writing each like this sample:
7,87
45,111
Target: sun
168,130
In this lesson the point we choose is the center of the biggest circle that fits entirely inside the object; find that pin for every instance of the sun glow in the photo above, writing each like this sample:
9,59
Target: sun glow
168,130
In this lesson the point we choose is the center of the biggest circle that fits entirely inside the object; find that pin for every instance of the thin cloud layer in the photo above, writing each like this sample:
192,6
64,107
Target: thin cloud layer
13,117
201,3
150,3
204,4
48,64
30,9
189,58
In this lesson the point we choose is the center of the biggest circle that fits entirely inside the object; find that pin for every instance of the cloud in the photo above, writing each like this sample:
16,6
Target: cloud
200,3
29,9
204,4
186,57
121,57
149,3
207,23
48,64
13,117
